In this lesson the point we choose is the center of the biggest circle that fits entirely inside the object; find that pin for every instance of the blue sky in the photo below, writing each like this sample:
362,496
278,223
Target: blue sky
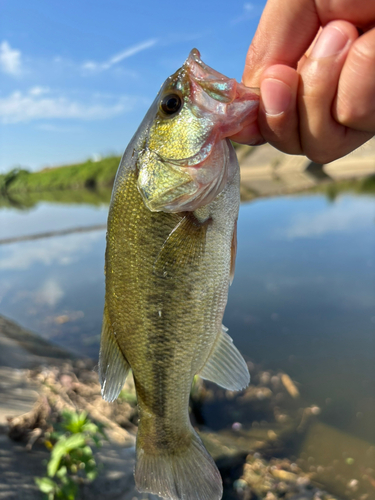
77,77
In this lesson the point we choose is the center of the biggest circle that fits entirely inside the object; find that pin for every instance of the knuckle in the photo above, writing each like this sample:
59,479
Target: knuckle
321,157
364,50
356,110
347,112
323,152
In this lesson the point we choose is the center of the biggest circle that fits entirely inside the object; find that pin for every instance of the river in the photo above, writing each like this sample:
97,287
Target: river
303,298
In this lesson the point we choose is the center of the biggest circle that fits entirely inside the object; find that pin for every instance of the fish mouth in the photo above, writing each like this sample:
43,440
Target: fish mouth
191,161
184,184
218,86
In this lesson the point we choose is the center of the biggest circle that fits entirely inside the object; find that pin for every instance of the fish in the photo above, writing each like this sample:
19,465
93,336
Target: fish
169,261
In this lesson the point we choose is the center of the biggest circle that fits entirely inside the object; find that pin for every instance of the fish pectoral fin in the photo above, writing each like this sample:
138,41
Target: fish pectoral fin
113,367
225,365
184,247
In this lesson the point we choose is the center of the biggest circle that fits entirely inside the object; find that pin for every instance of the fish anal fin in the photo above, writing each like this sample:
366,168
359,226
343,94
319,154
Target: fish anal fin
225,365
233,253
113,367
184,247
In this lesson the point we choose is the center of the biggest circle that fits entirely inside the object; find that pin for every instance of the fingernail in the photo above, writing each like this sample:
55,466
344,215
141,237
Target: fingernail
331,41
276,96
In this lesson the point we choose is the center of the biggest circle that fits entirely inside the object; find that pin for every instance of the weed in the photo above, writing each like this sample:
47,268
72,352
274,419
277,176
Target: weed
72,461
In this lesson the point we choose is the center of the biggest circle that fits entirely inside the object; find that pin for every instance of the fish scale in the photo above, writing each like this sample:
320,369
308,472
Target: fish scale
169,262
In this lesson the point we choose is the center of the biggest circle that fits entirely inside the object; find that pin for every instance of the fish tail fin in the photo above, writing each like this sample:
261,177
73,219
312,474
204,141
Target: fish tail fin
190,474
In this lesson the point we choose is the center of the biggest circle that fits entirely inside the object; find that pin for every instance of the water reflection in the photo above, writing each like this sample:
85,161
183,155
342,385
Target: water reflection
55,286
303,299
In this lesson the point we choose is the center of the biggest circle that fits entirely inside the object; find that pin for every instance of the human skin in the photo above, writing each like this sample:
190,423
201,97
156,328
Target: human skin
316,74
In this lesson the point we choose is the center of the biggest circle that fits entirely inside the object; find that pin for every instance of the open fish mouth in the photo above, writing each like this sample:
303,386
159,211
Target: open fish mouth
184,163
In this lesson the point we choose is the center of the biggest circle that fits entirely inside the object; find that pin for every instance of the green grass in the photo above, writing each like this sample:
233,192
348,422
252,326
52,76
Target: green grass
365,185
83,175
90,183
28,199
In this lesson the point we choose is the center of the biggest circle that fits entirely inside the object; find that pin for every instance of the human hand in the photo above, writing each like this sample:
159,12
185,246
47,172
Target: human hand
317,96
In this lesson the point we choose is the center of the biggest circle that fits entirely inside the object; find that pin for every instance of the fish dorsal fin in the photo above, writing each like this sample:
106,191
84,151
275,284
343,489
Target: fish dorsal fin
233,253
225,365
183,248
113,367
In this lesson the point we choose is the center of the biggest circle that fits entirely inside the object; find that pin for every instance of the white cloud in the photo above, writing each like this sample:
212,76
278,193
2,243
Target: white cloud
248,7
339,217
36,105
39,90
131,51
49,293
10,59
50,127
249,11
54,251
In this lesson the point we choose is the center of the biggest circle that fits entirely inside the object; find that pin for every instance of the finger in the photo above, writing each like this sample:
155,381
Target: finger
282,37
286,31
323,139
355,102
278,116
361,13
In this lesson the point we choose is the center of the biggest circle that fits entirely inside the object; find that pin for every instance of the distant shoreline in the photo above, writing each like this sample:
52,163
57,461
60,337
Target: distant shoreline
265,171
90,174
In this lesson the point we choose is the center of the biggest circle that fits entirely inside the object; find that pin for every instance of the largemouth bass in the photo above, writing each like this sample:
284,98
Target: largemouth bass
171,246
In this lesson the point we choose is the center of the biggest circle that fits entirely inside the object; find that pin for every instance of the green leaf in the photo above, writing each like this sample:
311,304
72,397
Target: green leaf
96,441
92,475
90,427
69,491
128,396
87,451
45,484
61,448
62,472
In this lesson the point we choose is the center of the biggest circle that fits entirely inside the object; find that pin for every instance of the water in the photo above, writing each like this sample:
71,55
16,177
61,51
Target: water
55,286
303,298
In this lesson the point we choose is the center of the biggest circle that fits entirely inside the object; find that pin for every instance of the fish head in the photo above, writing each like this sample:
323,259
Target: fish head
184,163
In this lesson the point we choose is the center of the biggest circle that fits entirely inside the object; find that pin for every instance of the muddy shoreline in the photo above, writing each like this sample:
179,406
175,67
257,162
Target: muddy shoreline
40,379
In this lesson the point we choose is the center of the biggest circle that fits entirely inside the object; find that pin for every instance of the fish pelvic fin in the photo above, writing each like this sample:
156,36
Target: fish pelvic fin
188,474
113,367
225,366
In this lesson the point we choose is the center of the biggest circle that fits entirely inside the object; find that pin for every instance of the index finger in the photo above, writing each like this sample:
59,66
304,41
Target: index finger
285,32
287,29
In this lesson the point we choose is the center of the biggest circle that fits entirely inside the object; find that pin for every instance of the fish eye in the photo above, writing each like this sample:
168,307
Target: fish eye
171,104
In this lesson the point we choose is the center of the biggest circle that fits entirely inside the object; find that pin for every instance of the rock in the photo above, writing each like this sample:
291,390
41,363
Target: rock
289,385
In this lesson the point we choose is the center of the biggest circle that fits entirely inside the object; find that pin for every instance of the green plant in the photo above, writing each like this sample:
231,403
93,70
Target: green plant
128,397
89,174
72,459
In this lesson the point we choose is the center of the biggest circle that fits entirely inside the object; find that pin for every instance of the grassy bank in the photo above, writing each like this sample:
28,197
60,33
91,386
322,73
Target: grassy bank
364,185
89,174
28,199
